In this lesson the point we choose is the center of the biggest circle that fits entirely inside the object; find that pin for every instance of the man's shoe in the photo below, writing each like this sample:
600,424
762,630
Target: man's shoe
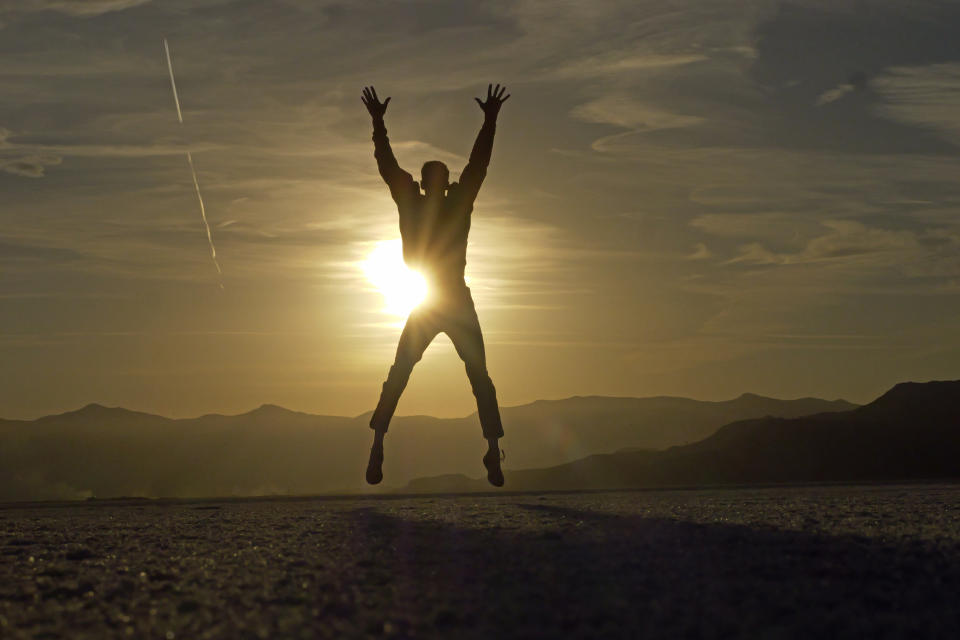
375,465
492,462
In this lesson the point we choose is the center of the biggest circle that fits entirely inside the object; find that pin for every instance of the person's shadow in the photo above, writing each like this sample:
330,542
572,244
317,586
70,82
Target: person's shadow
606,576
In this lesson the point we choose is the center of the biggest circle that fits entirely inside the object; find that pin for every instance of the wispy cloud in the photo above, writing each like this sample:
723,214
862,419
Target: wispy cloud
832,95
71,7
32,166
618,62
927,96
622,111
700,252
626,112
857,82
13,161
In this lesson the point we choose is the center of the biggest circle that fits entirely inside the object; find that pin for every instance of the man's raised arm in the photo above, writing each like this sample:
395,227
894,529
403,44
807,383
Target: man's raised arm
400,182
476,169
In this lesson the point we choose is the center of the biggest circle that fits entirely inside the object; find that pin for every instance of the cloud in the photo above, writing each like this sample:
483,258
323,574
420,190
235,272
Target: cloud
856,82
846,241
756,253
122,151
30,160
623,111
593,67
70,7
853,239
19,252
832,95
928,96
33,166
733,225
700,252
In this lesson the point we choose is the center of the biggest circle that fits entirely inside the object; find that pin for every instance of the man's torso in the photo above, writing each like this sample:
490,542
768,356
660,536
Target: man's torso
434,234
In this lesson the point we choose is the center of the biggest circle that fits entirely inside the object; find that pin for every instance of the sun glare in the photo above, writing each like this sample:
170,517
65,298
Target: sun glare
401,287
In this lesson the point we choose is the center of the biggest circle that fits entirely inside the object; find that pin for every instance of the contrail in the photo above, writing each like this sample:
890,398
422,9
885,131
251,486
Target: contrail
193,172
173,82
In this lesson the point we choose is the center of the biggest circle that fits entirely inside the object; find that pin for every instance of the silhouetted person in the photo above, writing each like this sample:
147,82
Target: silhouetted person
433,227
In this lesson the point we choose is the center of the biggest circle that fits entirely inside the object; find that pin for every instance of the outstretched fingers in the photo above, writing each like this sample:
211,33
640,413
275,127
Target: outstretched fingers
371,100
496,96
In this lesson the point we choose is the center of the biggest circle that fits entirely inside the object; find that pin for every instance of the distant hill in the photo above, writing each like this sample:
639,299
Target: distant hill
910,432
107,452
569,429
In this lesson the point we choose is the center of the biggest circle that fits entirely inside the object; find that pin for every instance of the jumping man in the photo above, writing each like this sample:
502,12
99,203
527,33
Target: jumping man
433,227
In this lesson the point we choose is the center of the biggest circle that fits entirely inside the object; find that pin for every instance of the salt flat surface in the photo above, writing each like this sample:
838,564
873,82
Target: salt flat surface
803,562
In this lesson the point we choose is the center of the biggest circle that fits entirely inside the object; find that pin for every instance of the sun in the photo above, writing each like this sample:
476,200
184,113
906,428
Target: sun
401,287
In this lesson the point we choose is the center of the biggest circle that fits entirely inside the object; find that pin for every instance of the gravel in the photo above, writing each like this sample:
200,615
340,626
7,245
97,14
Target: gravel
801,562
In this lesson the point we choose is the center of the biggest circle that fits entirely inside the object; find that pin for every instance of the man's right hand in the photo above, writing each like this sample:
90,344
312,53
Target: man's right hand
373,104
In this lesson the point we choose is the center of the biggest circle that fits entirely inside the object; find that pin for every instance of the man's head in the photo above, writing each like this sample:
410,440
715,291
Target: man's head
434,177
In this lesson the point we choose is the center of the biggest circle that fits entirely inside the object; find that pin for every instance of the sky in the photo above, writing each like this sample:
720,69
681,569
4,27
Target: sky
686,198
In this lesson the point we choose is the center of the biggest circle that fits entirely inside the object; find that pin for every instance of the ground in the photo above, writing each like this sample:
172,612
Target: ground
803,562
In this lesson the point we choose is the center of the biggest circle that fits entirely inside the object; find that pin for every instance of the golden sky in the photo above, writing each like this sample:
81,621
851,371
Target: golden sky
694,198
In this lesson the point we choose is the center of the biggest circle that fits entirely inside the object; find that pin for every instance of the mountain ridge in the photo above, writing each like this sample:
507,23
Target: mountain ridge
912,431
96,406
111,451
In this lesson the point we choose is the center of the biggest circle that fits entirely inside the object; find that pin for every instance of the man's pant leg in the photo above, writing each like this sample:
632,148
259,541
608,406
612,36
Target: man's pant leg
417,334
463,328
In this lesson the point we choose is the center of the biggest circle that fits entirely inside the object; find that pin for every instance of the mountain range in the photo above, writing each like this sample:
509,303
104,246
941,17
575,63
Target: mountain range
107,452
912,432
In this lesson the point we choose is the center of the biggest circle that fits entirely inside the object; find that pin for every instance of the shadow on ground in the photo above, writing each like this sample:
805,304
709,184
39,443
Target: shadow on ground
598,575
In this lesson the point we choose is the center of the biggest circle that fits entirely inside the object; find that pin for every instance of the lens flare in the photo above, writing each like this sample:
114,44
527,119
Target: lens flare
401,287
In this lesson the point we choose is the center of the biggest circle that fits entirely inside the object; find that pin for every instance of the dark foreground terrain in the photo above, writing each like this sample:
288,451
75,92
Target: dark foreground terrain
804,562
